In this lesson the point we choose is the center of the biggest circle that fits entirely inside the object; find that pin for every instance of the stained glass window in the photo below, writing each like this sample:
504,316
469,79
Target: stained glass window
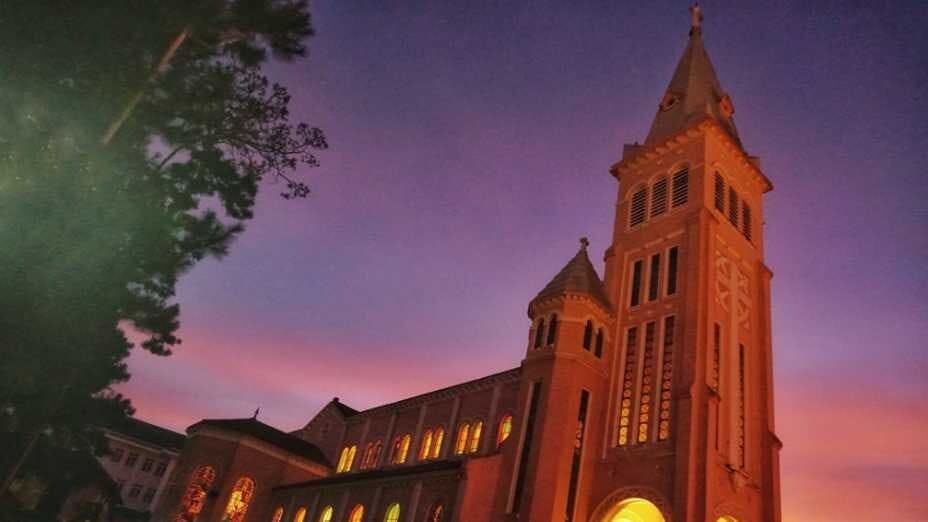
426,447
191,503
663,427
401,448
437,440
436,513
659,197
300,515
647,383
239,499
278,514
475,433
393,513
357,514
327,514
628,384
505,429
460,445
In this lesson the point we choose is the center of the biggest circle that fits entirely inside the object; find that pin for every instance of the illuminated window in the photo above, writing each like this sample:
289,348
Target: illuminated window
659,197
647,383
672,271
599,343
393,513
237,505
680,188
460,446
401,448
719,193
726,519
628,384
663,425
539,333
278,514
436,513
437,440
300,515
327,514
357,514
475,433
425,449
552,330
636,212
588,335
370,455
191,503
637,268
346,460
505,429
716,357
636,510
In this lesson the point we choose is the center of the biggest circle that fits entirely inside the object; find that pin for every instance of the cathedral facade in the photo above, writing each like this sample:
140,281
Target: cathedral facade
643,396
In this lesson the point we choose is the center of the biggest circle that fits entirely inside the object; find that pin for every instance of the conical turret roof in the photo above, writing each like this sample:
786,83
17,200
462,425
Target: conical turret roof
694,93
578,277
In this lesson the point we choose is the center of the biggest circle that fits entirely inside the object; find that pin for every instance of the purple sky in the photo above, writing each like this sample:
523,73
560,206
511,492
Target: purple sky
470,150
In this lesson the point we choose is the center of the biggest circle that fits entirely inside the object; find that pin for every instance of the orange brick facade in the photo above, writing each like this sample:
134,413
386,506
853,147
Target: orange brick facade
645,396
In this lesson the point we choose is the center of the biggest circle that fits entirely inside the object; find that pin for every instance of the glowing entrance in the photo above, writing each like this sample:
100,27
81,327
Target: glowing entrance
636,510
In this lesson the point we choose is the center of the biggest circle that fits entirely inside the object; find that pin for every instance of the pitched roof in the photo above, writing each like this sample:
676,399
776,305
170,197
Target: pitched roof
697,94
344,409
148,433
577,276
266,433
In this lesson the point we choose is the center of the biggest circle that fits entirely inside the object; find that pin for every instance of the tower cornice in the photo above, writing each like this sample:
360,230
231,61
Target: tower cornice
642,155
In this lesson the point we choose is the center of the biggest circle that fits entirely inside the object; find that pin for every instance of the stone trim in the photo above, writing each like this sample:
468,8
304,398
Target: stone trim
612,501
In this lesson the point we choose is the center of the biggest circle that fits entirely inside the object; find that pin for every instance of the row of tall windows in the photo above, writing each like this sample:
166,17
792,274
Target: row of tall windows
657,273
391,514
738,211
647,382
738,394
468,440
346,459
430,448
588,339
640,211
201,479
547,337
401,449
371,455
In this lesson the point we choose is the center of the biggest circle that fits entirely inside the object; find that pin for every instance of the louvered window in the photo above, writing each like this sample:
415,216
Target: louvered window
681,187
719,193
659,197
746,220
733,206
636,215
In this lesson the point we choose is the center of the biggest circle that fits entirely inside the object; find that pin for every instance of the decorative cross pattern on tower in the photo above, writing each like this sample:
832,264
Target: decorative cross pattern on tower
732,290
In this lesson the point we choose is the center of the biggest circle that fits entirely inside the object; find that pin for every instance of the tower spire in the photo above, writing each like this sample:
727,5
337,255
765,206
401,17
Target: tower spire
694,91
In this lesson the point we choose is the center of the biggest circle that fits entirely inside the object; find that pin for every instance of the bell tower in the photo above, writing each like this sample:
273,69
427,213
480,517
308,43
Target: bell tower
689,432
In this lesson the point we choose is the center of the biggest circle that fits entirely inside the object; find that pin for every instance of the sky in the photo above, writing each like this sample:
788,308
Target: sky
470,147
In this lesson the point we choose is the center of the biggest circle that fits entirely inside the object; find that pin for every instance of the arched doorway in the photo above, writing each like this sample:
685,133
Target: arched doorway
726,519
635,510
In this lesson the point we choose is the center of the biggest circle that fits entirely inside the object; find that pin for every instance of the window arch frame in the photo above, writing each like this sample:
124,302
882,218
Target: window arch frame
300,515
679,198
327,514
196,492
401,446
438,438
463,436
504,430
425,445
392,513
245,487
356,514
637,208
476,435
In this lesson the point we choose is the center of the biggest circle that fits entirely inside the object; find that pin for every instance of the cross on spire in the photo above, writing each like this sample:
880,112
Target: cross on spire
696,23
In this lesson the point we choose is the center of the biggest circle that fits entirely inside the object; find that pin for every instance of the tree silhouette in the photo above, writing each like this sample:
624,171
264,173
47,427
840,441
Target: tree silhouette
134,136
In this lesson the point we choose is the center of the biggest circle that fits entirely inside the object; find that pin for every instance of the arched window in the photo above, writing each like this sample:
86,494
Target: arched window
539,333
300,515
239,499
191,503
719,193
475,433
599,343
425,449
437,439
636,212
346,459
357,514
659,197
505,429
327,514
436,512
401,448
552,330
588,335
393,513
726,518
681,187
278,514
460,445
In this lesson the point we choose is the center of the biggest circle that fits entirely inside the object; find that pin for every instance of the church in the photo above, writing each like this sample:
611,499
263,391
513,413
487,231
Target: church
644,395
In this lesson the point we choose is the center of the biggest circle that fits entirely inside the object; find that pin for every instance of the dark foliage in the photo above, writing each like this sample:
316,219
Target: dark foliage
94,236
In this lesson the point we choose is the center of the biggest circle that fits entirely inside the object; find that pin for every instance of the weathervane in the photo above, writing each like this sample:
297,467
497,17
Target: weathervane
696,14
